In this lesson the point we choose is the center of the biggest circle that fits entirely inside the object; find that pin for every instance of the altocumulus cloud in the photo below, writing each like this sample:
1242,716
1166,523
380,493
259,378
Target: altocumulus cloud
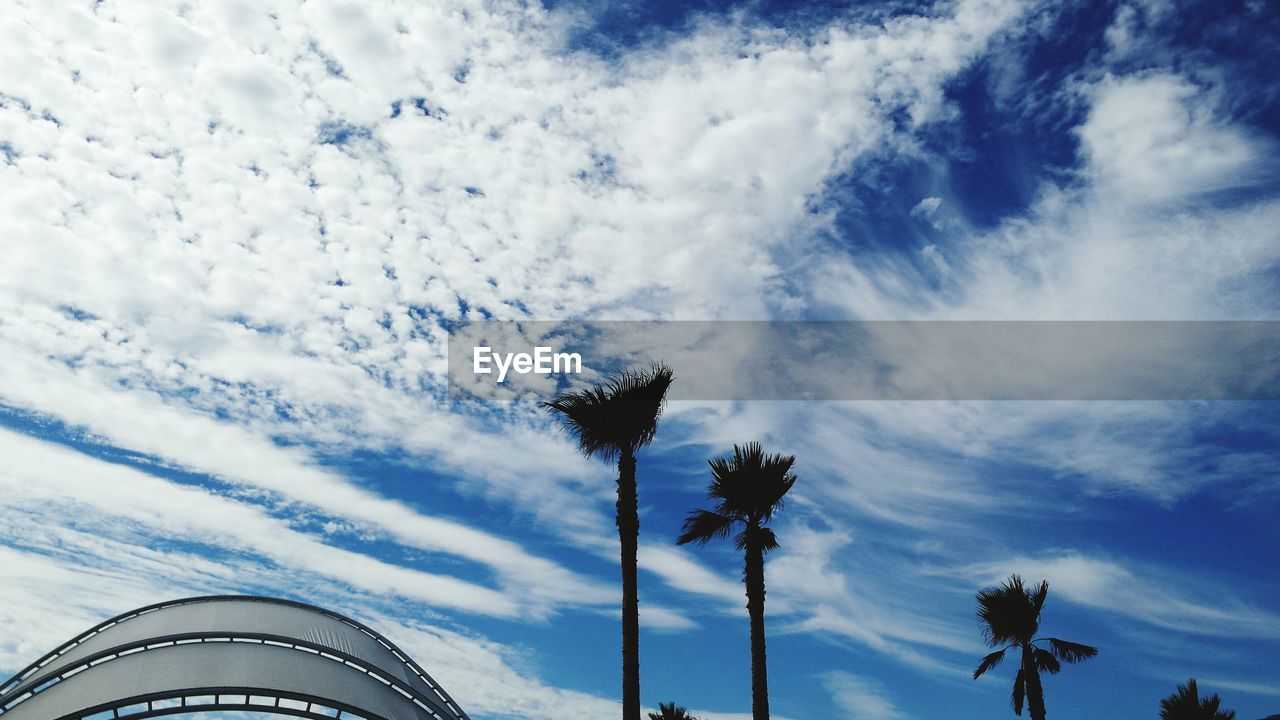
236,234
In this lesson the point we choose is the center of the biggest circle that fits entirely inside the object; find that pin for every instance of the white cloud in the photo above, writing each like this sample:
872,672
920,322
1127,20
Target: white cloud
176,231
927,207
682,572
1209,684
856,592
1140,233
1158,597
486,677
245,267
1156,136
894,497
84,540
860,698
45,482
713,715
49,599
238,455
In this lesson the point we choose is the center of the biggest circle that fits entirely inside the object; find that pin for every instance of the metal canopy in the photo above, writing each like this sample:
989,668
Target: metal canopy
227,653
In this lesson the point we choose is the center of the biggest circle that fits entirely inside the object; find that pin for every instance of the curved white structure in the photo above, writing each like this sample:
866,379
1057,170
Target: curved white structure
227,653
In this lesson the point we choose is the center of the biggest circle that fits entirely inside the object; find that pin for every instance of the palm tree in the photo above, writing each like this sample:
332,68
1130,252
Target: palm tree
748,489
1186,704
669,711
1010,615
612,422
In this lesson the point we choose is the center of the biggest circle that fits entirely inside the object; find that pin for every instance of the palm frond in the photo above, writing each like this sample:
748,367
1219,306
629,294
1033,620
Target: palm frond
1046,661
671,711
703,526
758,537
1042,592
620,416
584,415
640,396
775,493
1019,691
1008,613
988,662
1212,705
1186,704
751,483
768,540
1071,652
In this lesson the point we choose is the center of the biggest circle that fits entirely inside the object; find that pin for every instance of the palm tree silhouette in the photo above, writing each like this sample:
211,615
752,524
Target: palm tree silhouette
669,711
612,422
1010,615
748,489
1186,704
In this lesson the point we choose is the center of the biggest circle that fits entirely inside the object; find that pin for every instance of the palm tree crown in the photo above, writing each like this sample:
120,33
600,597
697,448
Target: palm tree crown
1186,704
616,418
1010,615
748,489
670,711
611,422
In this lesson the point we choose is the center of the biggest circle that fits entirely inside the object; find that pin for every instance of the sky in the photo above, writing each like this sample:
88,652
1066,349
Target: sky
235,235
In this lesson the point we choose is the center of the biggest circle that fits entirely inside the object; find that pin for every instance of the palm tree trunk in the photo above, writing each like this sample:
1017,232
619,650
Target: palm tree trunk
628,521
753,576
1035,691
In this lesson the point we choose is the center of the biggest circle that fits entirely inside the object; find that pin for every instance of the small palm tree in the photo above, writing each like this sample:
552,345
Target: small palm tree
1186,704
670,711
1010,615
612,422
748,489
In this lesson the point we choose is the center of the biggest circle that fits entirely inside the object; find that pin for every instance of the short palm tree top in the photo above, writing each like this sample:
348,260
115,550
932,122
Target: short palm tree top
669,711
1010,614
1186,704
618,417
748,488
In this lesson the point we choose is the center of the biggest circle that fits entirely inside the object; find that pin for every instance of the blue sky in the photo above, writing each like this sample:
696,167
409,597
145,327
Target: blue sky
236,235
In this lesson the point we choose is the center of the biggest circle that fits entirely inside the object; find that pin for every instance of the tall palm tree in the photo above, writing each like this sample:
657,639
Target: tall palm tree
1186,704
670,711
612,422
748,489
1010,615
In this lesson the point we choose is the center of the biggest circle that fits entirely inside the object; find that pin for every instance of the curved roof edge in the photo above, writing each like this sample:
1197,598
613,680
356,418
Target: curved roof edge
17,685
